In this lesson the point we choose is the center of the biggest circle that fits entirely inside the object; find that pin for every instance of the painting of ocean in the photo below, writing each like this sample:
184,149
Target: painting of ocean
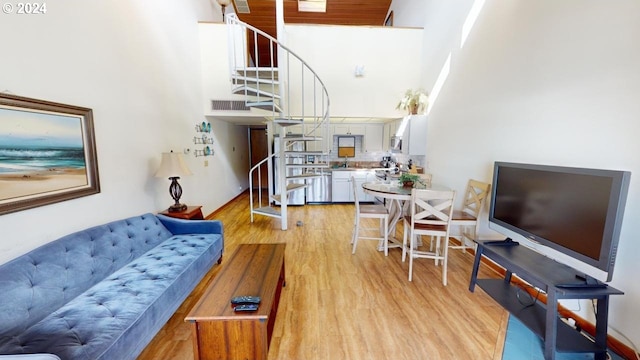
40,152
27,159
47,153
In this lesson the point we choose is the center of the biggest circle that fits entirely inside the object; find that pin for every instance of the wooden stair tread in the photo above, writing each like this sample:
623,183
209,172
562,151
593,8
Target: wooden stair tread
267,211
252,91
287,122
302,138
317,153
307,166
303,176
239,80
265,105
260,72
295,186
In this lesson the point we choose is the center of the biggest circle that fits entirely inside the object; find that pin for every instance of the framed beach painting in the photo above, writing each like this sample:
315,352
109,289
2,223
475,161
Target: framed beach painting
47,153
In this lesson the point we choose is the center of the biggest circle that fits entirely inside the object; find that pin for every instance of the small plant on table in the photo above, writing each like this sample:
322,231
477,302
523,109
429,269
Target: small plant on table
409,180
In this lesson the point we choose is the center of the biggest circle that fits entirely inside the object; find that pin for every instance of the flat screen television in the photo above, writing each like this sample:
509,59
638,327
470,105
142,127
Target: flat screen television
575,211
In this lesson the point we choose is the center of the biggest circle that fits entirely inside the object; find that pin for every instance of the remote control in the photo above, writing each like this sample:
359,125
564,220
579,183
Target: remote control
246,307
239,300
582,286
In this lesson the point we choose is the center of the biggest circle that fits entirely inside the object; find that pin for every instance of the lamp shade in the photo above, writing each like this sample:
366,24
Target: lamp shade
223,2
172,165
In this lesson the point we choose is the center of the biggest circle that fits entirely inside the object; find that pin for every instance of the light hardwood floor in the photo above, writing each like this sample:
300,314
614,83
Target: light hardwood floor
342,306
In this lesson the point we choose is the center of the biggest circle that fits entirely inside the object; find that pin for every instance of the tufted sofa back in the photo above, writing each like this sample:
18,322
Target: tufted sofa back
34,285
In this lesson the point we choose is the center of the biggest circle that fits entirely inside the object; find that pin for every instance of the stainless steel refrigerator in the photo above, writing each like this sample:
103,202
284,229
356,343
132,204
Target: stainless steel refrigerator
295,197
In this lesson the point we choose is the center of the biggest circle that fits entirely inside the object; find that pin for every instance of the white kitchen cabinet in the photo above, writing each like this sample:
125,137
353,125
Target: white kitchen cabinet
342,187
348,129
294,130
396,126
390,130
386,136
362,177
318,145
414,139
372,134
373,138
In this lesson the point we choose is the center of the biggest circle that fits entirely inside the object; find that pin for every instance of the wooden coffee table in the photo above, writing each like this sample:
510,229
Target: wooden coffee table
221,333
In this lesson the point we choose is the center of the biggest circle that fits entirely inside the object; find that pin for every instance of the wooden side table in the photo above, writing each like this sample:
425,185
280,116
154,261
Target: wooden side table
191,213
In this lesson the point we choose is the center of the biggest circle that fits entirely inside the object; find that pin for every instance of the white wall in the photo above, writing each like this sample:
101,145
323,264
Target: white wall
137,65
390,56
215,77
544,82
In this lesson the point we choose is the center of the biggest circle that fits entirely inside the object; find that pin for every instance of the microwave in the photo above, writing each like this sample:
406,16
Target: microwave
396,144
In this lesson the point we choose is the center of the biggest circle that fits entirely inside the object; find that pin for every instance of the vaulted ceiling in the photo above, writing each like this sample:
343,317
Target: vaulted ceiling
338,12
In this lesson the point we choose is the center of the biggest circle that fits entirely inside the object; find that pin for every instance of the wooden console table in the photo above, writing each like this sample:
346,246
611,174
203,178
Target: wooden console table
543,273
218,331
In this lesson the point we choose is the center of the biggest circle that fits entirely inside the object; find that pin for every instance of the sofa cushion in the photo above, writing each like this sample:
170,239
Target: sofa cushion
30,357
34,285
148,288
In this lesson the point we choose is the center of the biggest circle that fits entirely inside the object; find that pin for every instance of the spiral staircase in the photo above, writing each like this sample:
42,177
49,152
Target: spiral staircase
295,102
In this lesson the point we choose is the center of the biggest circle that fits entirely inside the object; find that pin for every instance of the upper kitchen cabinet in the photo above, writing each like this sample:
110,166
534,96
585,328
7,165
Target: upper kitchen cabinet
371,133
389,131
294,130
349,129
319,145
386,136
414,138
373,137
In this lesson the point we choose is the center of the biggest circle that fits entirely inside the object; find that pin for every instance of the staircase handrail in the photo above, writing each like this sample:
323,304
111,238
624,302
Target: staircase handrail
232,19
257,166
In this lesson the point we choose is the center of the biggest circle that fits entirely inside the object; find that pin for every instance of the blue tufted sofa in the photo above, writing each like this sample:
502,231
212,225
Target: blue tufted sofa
104,292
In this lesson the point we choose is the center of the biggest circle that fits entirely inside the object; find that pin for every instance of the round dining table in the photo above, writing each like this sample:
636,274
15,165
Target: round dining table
398,198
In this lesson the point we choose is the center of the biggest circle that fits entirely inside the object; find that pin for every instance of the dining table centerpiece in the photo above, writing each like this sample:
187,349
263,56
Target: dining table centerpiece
409,180
414,101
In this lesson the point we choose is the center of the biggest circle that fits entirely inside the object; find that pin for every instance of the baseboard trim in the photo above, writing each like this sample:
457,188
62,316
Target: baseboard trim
221,208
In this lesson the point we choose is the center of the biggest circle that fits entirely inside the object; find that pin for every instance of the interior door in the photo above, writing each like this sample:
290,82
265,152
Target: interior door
259,151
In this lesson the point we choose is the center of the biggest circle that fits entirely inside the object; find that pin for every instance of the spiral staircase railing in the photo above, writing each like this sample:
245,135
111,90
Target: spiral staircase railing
296,102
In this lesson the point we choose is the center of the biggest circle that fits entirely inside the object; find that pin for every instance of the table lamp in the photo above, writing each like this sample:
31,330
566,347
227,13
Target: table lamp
172,166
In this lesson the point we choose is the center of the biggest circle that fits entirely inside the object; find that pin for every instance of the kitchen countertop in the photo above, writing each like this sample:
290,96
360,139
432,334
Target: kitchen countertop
358,169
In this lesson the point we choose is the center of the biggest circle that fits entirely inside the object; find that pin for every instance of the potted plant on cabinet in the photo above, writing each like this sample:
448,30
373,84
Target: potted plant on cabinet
414,101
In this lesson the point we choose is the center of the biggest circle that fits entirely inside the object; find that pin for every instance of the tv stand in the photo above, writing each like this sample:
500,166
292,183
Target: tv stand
506,242
544,273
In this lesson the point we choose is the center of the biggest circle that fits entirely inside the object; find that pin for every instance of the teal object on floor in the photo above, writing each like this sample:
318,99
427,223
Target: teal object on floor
522,344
